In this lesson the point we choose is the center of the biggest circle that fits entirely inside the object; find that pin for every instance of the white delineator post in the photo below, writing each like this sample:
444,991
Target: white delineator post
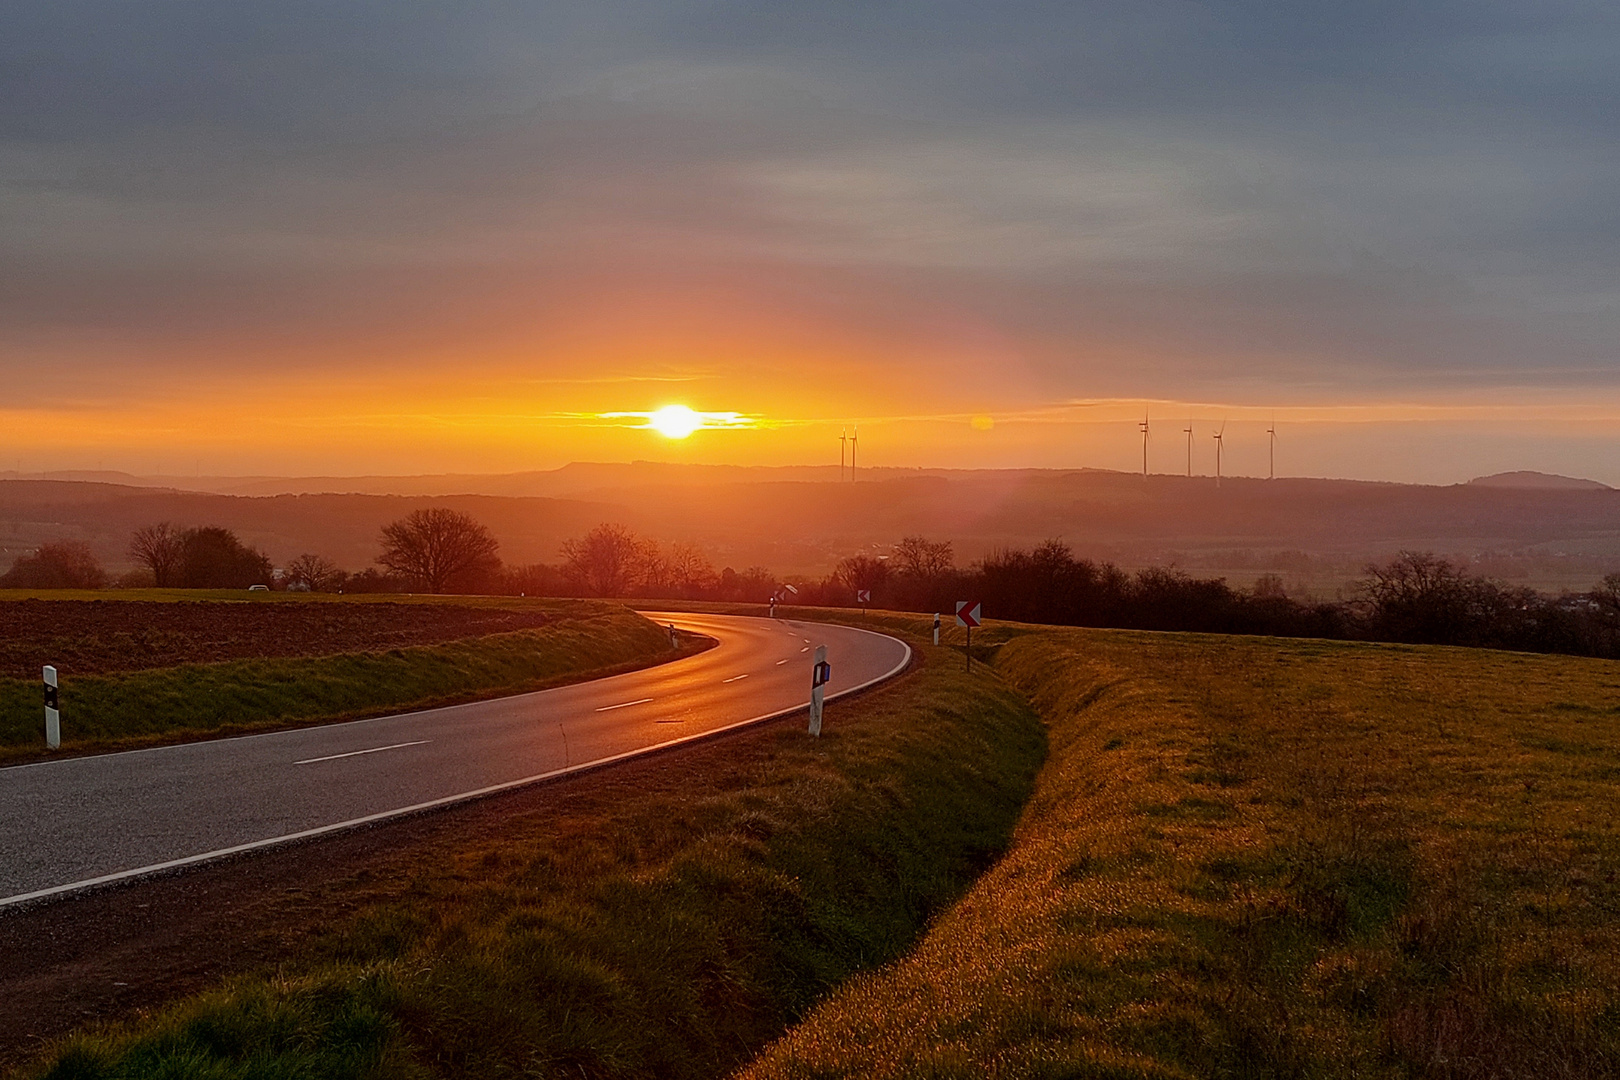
53,718
820,676
674,639
936,628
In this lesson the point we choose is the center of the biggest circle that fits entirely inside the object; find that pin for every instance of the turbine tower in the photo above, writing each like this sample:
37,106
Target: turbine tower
843,444
1188,430
1220,442
1143,426
854,442
1272,431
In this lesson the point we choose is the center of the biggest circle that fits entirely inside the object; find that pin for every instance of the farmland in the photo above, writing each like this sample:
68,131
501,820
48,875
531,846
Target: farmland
98,637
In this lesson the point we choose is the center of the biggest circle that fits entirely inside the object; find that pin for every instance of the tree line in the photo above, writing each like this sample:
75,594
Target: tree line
1415,597
434,550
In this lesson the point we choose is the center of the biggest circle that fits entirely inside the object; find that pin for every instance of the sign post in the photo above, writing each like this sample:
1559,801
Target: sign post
936,628
969,613
863,597
820,676
53,718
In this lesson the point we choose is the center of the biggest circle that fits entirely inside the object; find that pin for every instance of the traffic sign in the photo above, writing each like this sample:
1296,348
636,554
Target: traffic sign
863,596
969,613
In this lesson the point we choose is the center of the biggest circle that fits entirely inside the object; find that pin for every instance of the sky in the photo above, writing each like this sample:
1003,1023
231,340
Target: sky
400,237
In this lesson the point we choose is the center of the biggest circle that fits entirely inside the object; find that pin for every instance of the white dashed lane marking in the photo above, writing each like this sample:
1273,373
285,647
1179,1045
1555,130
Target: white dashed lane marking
357,753
624,704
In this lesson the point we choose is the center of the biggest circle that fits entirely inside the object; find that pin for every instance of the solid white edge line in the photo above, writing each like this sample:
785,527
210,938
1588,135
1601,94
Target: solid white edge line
448,800
357,753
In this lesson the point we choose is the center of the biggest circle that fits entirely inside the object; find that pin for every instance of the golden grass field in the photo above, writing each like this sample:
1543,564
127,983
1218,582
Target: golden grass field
1254,857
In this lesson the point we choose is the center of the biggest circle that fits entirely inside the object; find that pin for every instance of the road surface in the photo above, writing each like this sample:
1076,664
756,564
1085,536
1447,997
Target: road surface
81,822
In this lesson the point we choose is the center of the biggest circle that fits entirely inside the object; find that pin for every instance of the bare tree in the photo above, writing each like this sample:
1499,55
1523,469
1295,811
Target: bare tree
1420,597
159,548
439,547
922,558
315,573
690,571
651,570
605,560
860,572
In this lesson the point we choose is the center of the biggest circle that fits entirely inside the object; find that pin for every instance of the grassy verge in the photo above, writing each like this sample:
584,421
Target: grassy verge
202,700
669,932
1253,858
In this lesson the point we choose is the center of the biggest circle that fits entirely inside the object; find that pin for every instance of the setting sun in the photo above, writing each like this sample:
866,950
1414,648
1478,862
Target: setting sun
675,421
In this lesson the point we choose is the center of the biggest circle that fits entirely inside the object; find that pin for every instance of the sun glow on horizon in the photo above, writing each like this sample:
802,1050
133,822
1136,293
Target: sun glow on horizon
680,421
674,421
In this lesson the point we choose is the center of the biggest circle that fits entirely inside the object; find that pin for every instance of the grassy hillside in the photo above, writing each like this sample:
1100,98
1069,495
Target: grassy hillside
669,932
1249,858
199,700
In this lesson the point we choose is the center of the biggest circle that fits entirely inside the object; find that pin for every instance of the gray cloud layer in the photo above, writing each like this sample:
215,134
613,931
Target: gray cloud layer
1343,199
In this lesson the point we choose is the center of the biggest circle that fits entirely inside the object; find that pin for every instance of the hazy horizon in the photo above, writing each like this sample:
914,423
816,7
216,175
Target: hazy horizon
228,482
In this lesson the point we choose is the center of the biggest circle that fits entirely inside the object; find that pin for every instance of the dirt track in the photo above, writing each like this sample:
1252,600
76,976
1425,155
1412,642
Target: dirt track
99,636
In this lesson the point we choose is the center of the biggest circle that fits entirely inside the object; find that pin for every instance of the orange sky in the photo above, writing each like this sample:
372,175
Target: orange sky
333,239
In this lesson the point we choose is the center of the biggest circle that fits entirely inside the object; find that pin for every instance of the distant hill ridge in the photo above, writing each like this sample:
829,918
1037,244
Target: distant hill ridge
592,478
804,521
1528,478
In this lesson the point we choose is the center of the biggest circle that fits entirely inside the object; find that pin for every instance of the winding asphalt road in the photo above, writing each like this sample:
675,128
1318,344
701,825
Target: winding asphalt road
81,822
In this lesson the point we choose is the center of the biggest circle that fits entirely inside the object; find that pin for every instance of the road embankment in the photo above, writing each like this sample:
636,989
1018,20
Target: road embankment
1265,857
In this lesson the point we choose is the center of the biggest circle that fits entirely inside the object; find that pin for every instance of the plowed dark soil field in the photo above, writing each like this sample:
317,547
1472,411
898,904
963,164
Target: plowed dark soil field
95,637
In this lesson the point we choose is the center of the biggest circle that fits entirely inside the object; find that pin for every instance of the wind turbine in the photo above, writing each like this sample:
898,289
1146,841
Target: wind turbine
843,444
1188,430
1272,431
1143,426
1220,441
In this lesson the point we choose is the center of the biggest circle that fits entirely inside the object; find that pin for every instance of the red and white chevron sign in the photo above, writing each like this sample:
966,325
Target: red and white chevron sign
863,596
969,613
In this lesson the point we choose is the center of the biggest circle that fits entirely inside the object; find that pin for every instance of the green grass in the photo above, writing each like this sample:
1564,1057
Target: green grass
101,712
669,928
1260,858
